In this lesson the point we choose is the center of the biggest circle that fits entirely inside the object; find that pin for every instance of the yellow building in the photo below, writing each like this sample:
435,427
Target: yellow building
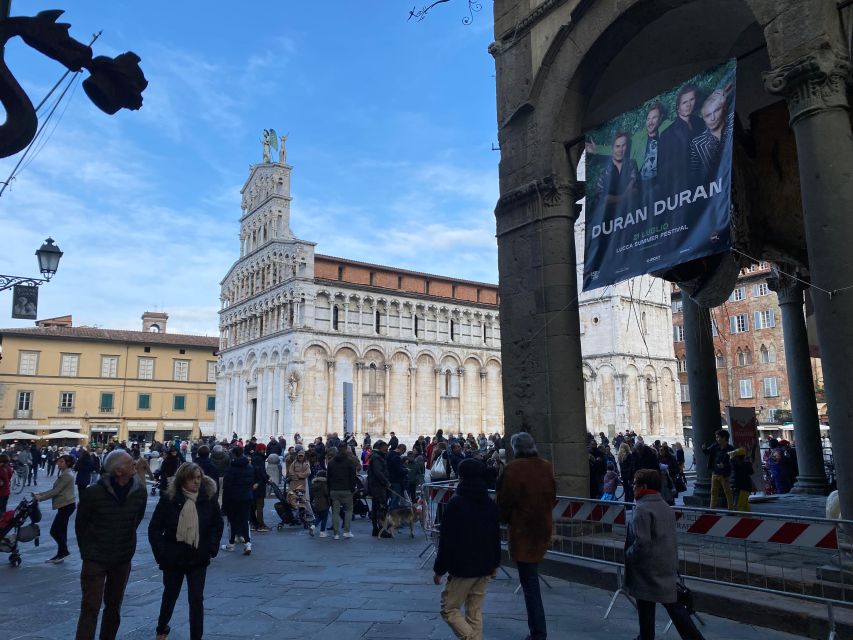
107,383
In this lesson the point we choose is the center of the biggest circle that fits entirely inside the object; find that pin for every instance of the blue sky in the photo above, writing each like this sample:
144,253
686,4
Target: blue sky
391,125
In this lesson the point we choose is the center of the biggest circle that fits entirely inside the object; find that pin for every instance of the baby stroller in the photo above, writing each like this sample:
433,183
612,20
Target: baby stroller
359,500
285,508
14,529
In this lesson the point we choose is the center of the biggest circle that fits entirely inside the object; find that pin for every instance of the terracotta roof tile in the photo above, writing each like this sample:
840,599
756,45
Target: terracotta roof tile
115,335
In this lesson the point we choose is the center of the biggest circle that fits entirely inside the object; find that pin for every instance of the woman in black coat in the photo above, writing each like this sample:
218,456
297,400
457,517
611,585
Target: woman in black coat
84,467
184,534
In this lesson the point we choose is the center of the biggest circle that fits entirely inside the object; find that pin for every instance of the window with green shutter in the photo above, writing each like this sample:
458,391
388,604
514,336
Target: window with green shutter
179,403
144,401
106,401
211,403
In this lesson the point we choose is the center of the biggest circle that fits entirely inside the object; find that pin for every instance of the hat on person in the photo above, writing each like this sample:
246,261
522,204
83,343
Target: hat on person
261,447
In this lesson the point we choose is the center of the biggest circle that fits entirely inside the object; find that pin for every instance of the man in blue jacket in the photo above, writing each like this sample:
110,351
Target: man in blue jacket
469,551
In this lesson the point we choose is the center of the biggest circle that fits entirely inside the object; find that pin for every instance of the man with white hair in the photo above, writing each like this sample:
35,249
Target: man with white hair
109,513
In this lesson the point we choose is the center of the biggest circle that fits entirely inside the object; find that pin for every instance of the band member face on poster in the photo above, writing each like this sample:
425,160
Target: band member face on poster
714,113
653,118
686,103
620,148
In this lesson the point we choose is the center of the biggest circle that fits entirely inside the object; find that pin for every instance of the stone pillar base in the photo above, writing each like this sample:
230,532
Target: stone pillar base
811,485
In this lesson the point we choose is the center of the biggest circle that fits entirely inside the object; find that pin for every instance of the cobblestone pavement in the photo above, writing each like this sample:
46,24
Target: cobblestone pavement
295,586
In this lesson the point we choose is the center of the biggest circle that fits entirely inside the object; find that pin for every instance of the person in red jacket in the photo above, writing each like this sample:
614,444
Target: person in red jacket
5,482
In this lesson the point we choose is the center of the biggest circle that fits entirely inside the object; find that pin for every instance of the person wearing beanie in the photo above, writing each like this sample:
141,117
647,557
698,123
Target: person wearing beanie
469,551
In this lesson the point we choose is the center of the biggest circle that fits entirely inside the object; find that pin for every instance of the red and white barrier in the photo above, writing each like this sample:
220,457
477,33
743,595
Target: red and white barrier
568,509
798,534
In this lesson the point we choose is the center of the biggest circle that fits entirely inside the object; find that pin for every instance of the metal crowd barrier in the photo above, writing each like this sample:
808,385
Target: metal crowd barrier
806,558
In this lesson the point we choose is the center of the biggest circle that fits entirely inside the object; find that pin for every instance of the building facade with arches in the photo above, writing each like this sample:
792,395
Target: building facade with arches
314,344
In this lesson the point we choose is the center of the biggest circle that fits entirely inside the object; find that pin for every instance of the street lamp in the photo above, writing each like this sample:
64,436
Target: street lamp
48,256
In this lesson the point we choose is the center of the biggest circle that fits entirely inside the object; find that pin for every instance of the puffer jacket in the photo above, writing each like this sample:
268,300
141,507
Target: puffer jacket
221,461
238,481
105,527
163,528
320,493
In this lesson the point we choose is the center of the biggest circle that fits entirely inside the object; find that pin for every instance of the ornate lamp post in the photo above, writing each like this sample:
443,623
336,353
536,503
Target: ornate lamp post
48,256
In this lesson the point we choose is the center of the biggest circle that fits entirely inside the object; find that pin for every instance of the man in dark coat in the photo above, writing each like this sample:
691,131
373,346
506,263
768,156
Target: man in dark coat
259,487
342,482
393,442
455,457
206,464
674,158
398,475
109,513
719,464
378,485
237,499
469,551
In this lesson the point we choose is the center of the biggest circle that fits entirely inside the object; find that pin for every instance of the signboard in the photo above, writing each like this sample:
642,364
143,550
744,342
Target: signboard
25,302
658,181
348,415
743,427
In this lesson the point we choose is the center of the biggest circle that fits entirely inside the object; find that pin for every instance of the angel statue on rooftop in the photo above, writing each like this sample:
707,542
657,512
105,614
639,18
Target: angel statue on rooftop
282,152
270,140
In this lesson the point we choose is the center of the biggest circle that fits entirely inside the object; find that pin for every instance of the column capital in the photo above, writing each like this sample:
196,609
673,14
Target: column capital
359,364
330,364
387,366
483,373
813,83
460,371
788,290
437,370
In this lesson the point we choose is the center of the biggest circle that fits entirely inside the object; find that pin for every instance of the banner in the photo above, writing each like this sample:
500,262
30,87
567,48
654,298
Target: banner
658,181
743,427
349,421
25,302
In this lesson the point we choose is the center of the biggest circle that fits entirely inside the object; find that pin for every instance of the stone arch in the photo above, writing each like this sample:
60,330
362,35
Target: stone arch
316,343
345,345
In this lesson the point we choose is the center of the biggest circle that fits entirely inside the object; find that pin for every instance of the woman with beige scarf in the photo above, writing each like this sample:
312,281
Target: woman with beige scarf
184,534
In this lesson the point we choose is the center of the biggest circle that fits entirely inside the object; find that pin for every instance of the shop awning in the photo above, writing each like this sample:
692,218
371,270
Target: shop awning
66,435
207,428
105,428
18,435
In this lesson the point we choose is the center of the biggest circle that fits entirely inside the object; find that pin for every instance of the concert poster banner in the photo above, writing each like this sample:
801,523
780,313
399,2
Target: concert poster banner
658,181
25,302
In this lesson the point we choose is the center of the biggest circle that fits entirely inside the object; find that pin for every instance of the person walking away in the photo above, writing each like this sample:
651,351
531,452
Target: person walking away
84,467
50,458
720,466
611,481
62,500
469,551
168,468
184,533
6,472
525,496
651,559
397,474
222,462
342,483
320,494
107,518
207,467
237,499
378,485
741,478
26,458
35,464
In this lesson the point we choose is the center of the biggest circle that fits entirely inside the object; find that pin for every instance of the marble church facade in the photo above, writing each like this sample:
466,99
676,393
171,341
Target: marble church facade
312,344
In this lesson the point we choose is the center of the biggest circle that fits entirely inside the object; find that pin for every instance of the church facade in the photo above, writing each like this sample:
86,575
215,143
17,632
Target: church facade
314,344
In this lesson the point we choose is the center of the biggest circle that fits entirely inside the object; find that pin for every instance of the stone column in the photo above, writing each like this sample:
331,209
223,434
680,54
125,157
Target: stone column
816,90
704,398
413,378
330,394
460,372
541,343
811,478
356,392
387,397
483,390
438,424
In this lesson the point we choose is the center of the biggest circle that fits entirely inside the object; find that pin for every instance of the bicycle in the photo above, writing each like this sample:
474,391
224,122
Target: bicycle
19,478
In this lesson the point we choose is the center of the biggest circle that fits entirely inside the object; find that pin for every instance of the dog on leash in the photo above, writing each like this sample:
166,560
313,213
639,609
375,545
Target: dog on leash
397,517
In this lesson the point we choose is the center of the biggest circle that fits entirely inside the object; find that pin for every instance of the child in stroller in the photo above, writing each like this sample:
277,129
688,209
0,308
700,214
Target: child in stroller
14,529
293,509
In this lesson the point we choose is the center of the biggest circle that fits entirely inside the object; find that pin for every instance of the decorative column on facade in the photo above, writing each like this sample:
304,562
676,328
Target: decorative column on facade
816,87
811,478
460,372
330,393
704,396
438,424
356,392
413,378
269,405
484,373
387,397
346,316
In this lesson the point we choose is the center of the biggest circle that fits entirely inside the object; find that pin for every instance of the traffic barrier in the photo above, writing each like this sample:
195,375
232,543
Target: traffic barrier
800,557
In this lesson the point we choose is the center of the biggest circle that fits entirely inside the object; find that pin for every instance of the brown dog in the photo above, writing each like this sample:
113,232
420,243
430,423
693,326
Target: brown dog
396,518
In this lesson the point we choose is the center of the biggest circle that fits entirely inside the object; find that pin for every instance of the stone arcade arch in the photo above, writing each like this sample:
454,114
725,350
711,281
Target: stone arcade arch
564,66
